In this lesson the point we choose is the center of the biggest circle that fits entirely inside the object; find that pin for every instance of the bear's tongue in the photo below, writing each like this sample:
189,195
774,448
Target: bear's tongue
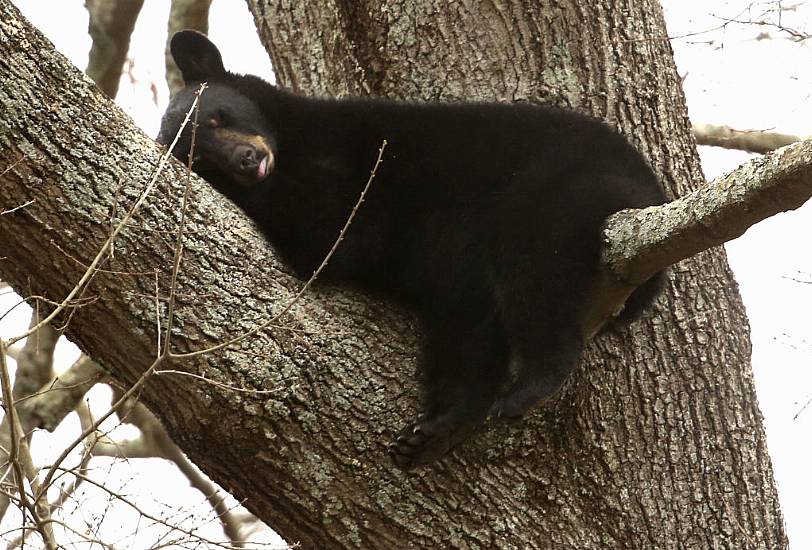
262,169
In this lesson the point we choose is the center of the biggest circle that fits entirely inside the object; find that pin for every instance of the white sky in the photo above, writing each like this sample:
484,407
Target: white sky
762,84
730,78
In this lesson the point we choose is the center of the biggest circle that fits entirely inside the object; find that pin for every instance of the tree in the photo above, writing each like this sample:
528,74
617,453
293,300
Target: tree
655,442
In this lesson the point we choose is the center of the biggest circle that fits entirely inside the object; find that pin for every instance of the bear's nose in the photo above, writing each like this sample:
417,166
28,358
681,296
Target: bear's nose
247,156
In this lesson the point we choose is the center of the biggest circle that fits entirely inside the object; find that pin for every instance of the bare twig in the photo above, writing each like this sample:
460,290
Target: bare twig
170,315
11,166
216,383
20,207
762,21
194,537
155,442
802,409
78,302
91,429
64,495
157,314
20,460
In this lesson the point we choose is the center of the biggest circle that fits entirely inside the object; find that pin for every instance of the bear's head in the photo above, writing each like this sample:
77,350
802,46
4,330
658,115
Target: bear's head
233,144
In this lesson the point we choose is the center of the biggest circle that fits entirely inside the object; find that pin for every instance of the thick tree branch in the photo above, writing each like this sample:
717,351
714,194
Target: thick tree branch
35,361
639,243
59,398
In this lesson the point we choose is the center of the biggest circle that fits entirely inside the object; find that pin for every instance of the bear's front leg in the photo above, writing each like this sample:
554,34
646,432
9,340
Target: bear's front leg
546,345
464,366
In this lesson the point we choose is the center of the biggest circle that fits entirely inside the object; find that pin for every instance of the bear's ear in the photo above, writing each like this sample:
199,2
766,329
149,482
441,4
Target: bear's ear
196,56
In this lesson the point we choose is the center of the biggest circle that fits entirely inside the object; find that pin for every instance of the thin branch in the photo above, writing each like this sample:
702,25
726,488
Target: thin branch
170,316
794,34
78,302
637,243
11,166
63,497
218,384
34,369
802,409
20,207
92,428
20,459
157,314
155,441
155,519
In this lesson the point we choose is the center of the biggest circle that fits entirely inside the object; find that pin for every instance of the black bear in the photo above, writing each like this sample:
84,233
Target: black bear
484,218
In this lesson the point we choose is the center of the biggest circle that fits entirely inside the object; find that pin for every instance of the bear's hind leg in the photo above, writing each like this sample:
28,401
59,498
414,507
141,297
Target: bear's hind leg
541,372
464,367
542,320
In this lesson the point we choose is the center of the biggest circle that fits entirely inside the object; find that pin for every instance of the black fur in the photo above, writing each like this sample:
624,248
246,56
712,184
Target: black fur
485,218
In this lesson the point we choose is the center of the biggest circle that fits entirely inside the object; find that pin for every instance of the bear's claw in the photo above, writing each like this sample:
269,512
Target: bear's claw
427,440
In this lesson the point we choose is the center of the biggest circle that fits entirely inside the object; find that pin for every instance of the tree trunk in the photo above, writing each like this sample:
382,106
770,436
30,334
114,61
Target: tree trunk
656,441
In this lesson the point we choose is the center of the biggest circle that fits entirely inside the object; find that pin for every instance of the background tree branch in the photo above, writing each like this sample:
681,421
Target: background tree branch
184,14
752,141
111,24
34,369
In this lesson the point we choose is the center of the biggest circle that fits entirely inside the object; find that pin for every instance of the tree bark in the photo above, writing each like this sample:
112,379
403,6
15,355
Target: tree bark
655,442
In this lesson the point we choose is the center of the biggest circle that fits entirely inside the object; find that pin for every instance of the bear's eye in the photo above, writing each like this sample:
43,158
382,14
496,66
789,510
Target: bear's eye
213,121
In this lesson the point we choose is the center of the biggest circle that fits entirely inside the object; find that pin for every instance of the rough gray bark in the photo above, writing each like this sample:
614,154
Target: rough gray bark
655,442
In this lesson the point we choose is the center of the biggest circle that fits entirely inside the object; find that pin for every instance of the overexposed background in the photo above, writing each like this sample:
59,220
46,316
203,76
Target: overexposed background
736,72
